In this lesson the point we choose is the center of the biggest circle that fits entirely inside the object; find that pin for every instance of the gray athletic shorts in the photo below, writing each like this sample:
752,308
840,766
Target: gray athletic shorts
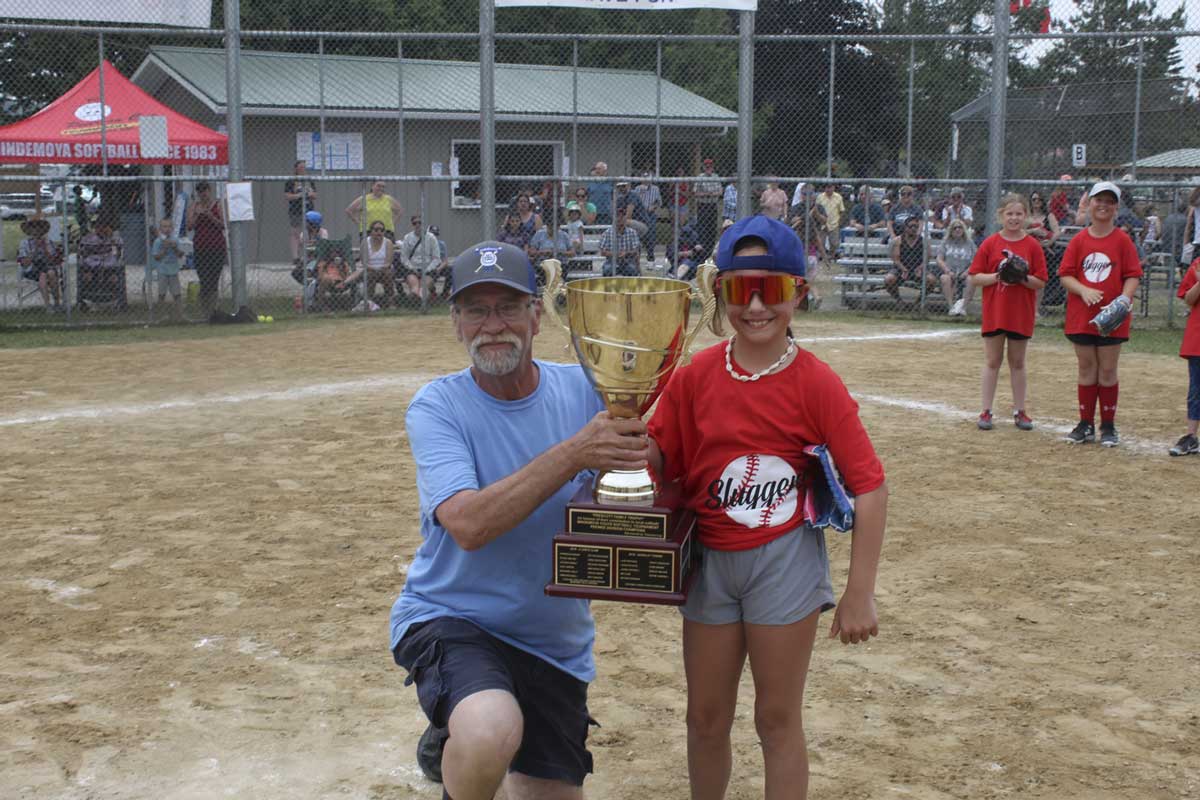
778,583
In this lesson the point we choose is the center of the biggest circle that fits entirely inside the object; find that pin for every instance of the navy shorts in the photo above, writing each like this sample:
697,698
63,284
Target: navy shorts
1017,337
450,659
1096,340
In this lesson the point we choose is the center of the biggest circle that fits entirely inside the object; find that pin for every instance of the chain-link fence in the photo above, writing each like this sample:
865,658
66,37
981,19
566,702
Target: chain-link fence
619,138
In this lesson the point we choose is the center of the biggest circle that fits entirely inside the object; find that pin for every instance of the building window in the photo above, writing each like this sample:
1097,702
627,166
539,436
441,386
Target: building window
512,158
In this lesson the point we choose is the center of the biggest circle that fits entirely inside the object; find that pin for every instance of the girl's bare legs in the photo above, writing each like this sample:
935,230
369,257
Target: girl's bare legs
779,656
993,358
1016,371
713,656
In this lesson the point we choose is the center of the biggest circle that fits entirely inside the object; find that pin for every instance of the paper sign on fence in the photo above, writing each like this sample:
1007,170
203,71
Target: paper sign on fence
241,202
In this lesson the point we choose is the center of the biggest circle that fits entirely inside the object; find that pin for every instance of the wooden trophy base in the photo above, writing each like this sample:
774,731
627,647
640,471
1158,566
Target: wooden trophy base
637,554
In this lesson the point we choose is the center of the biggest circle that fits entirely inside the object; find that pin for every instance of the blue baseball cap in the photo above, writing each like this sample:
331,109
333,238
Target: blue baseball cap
785,252
492,262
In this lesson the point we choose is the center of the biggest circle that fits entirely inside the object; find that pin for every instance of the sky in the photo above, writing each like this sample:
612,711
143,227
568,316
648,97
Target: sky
1061,12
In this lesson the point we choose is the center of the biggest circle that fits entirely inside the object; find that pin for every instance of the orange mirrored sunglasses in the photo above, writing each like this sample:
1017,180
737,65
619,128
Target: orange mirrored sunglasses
772,288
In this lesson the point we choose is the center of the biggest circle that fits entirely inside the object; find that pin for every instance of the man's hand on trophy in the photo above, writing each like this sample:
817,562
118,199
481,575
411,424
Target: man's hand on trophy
609,442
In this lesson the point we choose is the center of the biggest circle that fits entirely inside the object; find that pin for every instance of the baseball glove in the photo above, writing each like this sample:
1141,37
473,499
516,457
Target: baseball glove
1013,268
1112,315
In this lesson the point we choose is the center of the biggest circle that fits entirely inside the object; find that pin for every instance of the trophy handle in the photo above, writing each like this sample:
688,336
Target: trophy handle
555,286
706,277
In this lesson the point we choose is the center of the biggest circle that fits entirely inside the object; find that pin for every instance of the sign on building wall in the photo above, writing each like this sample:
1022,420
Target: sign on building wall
1079,155
177,13
635,5
342,151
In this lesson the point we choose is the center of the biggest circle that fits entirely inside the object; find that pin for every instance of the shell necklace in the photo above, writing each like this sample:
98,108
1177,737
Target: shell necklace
747,378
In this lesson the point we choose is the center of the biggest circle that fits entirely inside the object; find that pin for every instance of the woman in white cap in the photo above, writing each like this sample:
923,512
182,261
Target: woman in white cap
1100,266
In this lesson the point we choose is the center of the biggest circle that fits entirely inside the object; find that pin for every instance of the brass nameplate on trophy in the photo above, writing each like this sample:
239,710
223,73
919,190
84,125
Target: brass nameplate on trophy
646,570
583,565
616,523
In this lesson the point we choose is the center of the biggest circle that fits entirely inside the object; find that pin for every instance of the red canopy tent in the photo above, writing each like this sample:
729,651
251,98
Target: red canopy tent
68,130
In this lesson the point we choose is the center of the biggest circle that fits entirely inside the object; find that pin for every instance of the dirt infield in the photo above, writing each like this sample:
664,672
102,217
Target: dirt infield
203,539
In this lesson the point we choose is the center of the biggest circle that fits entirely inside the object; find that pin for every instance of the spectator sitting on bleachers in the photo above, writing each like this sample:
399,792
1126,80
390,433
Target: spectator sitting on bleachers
629,206
420,257
691,253
908,259
41,261
867,218
955,209
811,229
574,226
530,219
954,259
903,211
622,244
651,199
587,210
101,264
543,246
512,232
600,193
442,272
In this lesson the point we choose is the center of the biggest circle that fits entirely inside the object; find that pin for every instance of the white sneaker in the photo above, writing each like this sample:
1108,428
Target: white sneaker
959,309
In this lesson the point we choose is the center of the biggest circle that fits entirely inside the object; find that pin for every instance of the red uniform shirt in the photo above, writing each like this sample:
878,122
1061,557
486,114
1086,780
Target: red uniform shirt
738,447
1008,307
1098,263
1191,333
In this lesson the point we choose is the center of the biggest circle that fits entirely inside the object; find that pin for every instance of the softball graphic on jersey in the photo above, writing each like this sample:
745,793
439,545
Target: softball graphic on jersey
1096,267
756,491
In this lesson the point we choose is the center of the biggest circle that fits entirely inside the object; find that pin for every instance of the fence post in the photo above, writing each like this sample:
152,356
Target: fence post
829,120
658,109
400,105
487,117
996,115
1137,107
745,110
912,68
321,100
66,279
233,124
575,106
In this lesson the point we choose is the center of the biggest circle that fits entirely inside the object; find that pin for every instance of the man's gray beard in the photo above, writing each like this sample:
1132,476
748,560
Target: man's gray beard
500,363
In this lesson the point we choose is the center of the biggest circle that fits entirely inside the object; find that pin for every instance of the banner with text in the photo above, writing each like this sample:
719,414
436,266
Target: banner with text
176,13
643,5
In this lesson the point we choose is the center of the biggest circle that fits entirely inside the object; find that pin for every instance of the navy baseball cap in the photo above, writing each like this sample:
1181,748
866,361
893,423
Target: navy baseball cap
492,262
785,252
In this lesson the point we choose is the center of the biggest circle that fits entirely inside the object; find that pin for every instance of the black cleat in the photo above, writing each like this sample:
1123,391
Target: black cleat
1082,433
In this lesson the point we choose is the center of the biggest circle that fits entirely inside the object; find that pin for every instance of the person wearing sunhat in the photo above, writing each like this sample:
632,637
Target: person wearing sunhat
501,670
41,261
1100,266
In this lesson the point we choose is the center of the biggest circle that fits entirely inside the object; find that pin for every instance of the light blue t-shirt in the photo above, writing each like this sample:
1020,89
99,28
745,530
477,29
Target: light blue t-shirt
164,258
462,438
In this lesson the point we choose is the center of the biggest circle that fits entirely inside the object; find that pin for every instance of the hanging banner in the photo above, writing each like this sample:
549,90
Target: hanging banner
635,5
176,13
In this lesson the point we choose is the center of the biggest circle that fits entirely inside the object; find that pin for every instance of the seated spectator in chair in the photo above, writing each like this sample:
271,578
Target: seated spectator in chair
41,261
867,218
420,257
442,272
587,209
621,243
375,267
629,206
955,209
165,254
333,272
102,265
691,253
908,259
543,246
954,257
512,232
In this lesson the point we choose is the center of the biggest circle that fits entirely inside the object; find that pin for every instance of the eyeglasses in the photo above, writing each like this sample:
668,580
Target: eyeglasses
772,289
906,194
509,311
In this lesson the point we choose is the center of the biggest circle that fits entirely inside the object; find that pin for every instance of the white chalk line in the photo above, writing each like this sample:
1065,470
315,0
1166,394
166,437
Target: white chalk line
406,381
1054,427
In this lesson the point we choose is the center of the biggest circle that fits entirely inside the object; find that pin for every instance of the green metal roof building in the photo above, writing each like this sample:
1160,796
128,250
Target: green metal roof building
285,95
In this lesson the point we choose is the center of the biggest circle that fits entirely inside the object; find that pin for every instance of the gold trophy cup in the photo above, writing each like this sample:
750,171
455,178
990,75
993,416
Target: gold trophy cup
623,540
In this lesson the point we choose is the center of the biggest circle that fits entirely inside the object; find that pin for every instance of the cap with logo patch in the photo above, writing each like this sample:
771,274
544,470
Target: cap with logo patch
785,252
492,262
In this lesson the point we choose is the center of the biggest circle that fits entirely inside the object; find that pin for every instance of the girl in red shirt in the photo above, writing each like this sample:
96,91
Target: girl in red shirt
1099,265
1189,290
1008,308
731,428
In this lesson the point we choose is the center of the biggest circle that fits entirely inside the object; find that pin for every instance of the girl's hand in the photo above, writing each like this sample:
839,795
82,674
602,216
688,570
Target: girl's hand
854,619
1091,296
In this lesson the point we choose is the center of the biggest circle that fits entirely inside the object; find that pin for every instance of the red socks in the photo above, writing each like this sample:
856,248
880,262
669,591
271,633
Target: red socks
1087,401
1108,403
